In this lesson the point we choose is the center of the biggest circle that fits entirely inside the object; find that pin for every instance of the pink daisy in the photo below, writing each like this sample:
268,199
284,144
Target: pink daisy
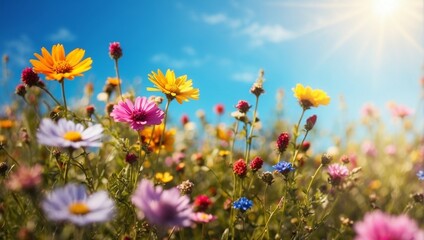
140,114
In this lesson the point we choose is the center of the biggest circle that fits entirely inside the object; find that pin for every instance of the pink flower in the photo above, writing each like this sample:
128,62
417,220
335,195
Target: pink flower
139,115
201,217
378,225
26,178
369,149
391,149
337,173
369,111
399,110
115,50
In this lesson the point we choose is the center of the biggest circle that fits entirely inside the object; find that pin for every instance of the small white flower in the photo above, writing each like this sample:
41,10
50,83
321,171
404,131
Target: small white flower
71,203
68,134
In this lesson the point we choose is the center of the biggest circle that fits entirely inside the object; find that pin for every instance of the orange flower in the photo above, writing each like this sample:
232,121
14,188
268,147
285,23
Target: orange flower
57,66
167,141
6,123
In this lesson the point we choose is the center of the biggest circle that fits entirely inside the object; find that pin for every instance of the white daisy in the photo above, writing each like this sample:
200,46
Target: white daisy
71,203
68,134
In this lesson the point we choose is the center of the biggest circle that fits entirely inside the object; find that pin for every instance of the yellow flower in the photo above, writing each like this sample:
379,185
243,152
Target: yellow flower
164,177
167,141
309,97
6,123
113,81
57,66
178,88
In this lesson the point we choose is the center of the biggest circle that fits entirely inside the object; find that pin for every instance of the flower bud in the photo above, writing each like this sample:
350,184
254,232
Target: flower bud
267,177
326,158
21,90
240,168
283,142
185,187
256,164
115,50
29,77
131,158
243,106
310,122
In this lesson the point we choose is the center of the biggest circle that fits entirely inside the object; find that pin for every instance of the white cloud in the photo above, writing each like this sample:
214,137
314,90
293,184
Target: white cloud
173,62
214,18
247,77
259,34
62,35
19,50
220,18
189,50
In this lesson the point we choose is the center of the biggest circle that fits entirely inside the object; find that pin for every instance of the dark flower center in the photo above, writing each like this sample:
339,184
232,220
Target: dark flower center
62,67
139,117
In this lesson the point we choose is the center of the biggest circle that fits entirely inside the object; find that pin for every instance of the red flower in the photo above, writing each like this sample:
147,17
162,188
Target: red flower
201,203
184,119
283,142
243,106
29,77
240,168
310,122
256,164
219,109
115,50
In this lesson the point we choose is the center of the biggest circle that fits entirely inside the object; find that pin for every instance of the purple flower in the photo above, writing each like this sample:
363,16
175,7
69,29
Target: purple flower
166,208
72,203
378,225
420,175
68,134
337,173
140,114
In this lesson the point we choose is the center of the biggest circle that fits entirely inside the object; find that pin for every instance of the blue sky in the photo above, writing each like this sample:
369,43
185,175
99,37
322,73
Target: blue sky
347,48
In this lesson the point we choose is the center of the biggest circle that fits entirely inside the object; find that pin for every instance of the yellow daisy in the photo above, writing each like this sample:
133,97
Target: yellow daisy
165,177
178,88
309,97
58,66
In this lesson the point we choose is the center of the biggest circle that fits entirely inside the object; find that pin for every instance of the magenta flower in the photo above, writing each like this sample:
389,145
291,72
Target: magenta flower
337,173
378,225
165,208
399,110
140,114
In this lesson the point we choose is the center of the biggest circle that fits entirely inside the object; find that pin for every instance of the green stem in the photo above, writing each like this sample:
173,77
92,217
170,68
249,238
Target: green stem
164,128
296,134
62,84
119,79
10,156
312,180
48,93
269,219
234,140
251,128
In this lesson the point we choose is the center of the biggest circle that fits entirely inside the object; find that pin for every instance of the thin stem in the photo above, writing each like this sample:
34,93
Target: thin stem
251,128
10,156
269,219
119,79
62,84
164,127
171,233
234,140
296,134
48,93
312,180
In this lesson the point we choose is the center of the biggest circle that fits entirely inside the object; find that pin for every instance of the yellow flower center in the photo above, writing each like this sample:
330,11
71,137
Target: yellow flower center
173,89
73,136
62,67
79,208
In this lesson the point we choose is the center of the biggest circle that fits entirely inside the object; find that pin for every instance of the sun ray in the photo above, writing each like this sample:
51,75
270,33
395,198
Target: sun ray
344,38
408,37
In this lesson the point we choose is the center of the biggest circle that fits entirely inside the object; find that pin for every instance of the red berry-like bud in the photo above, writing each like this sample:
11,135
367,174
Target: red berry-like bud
310,122
240,168
90,110
29,77
131,158
256,164
219,109
20,90
184,119
115,50
283,142
243,106
305,146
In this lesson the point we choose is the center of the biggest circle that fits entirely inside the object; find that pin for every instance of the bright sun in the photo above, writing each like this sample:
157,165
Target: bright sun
385,8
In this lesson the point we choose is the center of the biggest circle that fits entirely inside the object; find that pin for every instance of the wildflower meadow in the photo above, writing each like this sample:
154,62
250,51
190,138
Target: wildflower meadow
124,171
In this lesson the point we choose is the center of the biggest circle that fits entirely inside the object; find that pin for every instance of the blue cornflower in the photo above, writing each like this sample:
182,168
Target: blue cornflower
283,167
420,175
243,204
